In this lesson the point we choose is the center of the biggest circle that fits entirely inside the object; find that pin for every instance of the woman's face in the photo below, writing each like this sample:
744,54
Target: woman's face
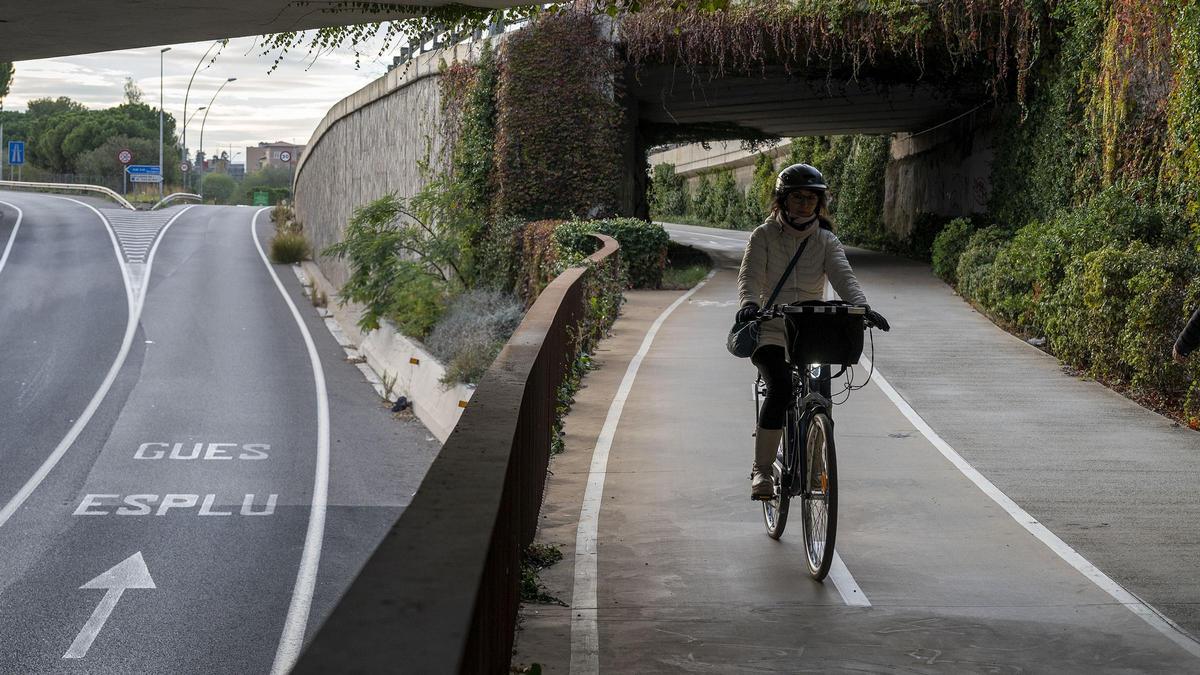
802,203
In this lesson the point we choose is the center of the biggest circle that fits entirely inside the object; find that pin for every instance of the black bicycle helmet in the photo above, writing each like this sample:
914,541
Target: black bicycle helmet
799,176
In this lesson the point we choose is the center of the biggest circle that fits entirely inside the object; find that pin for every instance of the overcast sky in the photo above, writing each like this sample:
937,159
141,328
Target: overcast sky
285,105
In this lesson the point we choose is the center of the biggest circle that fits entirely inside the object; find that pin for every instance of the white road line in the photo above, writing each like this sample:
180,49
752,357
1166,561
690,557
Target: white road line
846,585
585,634
292,639
12,237
705,234
134,308
1135,604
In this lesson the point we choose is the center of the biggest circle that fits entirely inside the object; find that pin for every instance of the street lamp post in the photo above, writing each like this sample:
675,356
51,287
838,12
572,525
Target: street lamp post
162,51
187,92
204,121
187,179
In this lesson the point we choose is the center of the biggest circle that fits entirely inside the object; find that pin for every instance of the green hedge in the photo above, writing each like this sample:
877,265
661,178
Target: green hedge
643,245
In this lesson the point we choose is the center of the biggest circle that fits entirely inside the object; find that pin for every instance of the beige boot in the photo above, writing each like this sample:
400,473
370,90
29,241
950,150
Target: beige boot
766,444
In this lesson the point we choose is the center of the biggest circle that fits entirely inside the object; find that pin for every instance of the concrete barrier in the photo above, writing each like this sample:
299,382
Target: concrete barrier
417,374
440,594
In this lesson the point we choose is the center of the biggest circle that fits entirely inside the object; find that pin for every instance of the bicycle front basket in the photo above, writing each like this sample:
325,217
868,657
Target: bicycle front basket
824,333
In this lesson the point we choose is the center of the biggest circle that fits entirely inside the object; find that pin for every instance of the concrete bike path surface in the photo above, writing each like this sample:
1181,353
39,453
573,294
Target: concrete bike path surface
689,582
1117,482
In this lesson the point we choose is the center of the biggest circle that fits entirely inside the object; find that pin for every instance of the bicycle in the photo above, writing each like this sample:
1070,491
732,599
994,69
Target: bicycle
818,334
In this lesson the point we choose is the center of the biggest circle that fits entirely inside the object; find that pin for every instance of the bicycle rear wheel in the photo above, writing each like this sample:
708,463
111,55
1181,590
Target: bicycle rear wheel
818,496
775,510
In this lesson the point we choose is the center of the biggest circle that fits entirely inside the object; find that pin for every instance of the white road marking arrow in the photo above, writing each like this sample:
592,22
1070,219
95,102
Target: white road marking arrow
129,573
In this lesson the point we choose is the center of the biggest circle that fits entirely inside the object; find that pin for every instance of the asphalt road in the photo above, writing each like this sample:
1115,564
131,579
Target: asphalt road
943,570
231,480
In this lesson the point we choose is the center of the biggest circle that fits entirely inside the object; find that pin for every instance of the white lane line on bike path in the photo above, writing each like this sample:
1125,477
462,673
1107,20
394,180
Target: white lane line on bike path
1069,555
134,311
12,237
292,639
585,632
845,583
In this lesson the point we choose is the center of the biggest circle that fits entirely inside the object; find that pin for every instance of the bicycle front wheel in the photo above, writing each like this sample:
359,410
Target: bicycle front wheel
818,496
775,510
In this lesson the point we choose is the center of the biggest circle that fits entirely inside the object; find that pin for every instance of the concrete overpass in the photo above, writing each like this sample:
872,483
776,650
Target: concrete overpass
775,103
37,30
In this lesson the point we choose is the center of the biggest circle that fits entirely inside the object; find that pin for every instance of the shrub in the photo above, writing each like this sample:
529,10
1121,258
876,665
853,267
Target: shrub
643,245
1107,273
668,192
925,229
472,331
975,264
498,255
1159,305
218,187
398,269
289,247
948,246
762,188
860,191
539,258
696,205
414,302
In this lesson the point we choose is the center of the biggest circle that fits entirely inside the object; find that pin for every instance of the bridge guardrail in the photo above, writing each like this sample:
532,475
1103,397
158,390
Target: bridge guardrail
175,195
20,184
440,593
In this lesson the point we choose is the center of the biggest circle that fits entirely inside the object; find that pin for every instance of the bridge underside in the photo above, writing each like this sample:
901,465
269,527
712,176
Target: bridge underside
45,28
778,105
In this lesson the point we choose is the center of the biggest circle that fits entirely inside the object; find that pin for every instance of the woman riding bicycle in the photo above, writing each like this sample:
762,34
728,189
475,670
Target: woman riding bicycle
797,219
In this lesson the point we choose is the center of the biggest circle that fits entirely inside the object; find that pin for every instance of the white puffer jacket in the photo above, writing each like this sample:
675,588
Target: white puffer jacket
771,248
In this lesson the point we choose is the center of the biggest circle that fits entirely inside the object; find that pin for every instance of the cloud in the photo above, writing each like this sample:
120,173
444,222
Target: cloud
262,105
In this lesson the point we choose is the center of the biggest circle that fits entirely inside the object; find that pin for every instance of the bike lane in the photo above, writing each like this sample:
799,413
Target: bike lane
689,581
207,476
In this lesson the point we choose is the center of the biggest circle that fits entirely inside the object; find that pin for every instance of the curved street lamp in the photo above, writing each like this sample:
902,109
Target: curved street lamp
202,123
161,176
187,180
183,146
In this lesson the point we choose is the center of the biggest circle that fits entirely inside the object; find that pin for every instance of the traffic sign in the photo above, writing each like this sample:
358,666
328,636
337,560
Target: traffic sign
185,166
16,152
285,156
125,156
145,169
146,178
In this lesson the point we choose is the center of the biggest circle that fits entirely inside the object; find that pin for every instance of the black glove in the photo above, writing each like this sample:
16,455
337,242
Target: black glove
877,319
747,312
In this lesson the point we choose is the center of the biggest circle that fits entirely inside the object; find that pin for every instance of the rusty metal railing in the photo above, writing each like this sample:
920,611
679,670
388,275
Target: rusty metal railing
440,594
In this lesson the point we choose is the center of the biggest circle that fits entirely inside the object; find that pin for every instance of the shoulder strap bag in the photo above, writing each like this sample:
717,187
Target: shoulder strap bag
743,337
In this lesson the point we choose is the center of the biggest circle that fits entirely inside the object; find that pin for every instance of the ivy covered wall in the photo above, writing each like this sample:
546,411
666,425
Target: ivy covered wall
1091,232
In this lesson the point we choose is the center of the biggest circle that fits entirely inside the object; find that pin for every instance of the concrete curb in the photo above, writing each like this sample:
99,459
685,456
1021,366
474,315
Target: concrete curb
385,356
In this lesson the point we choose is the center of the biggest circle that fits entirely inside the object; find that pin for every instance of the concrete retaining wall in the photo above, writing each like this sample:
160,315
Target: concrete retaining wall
693,159
946,171
369,145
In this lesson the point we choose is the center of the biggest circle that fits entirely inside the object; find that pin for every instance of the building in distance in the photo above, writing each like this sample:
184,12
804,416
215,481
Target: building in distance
277,154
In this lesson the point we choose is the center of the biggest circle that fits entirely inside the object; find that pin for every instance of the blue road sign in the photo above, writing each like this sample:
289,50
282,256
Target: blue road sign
148,169
16,152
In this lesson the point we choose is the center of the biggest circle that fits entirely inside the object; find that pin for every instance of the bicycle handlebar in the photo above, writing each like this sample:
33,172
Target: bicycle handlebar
778,311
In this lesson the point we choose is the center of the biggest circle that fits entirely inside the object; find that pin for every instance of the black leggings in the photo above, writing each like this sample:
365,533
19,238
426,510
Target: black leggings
776,372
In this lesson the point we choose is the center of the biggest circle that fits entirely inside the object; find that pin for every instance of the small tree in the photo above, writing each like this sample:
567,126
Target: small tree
133,93
668,191
218,187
